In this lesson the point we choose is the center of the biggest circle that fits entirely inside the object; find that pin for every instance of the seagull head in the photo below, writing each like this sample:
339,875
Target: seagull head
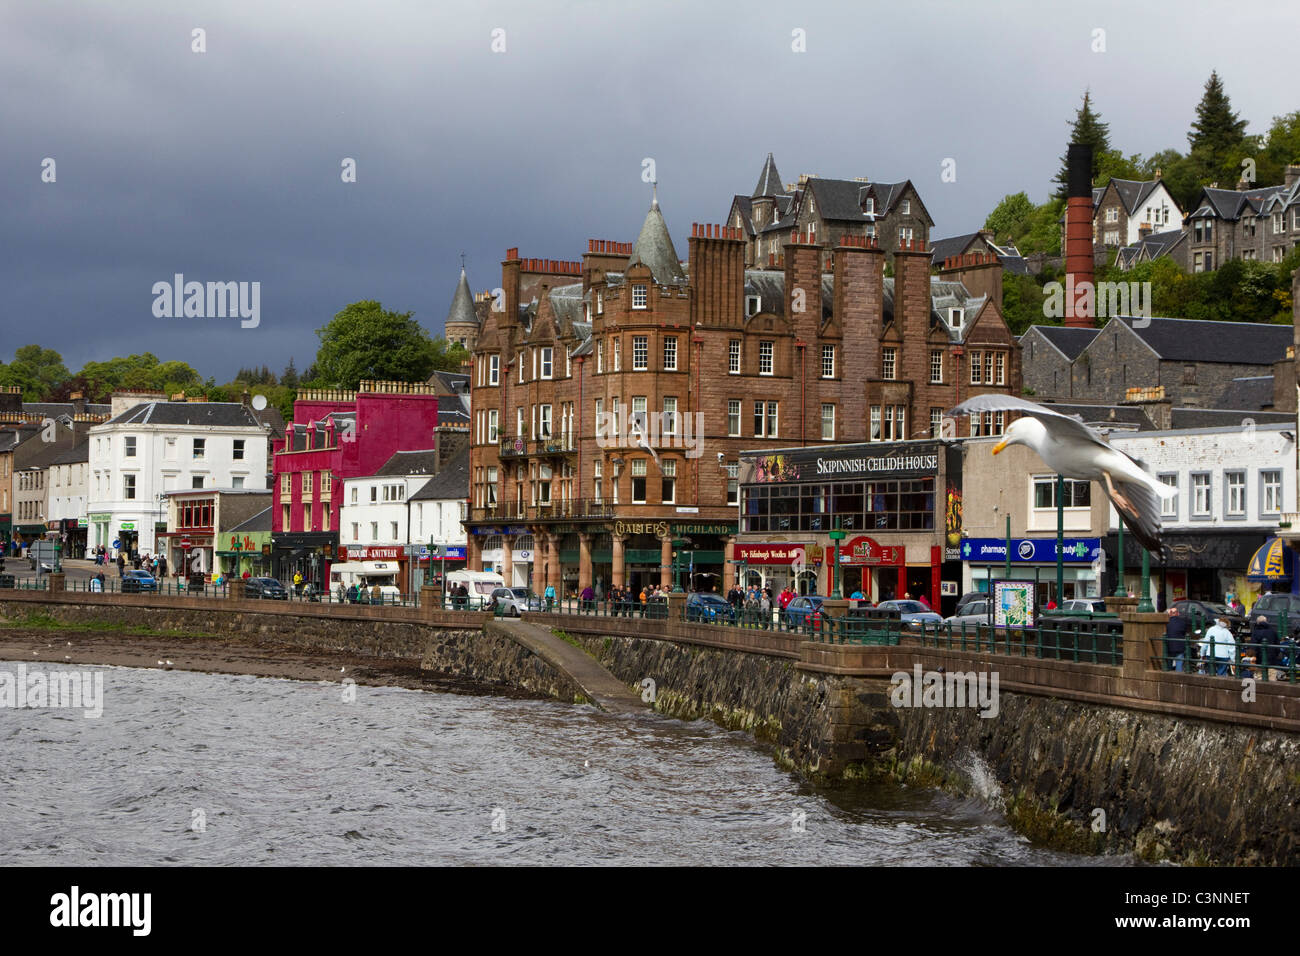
1023,431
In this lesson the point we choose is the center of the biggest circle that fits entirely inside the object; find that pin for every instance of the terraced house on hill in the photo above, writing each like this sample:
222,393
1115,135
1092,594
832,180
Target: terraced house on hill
706,359
1254,224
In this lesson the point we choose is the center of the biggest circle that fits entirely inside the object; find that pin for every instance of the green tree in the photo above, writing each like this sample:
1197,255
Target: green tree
1088,129
289,377
37,371
448,356
1281,148
1009,218
365,341
1216,131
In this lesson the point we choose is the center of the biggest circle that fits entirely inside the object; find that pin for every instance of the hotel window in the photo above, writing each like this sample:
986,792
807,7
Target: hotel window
1201,495
771,419
828,423
638,296
128,487
936,422
765,419
568,364
988,368
596,481
522,359
733,484
1234,483
976,359
600,418
306,482
888,360
129,450
1270,492
999,423
670,353
600,357
733,418
492,426
326,483
669,494
492,487
638,481
200,448
519,422
639,409
733,357
936,368
1169,506
828,361
764,358
600,303
544,421
875,423
618,355
548,362
900,424
669,426
494,369
1001,368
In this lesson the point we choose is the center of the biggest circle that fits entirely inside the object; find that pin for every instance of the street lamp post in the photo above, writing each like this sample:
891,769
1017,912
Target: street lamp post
836,536
1060,539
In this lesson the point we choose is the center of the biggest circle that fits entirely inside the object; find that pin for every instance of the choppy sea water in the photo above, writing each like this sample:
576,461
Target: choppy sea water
189,768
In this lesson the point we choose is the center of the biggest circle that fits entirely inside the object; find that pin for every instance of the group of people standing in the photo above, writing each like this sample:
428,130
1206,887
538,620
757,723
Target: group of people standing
1219,652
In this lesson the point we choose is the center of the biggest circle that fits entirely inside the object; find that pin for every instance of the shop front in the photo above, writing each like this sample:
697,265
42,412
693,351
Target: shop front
430,565
1200,565
1034,558
776,565
396,559
886,507
508,551
245,553
309,553
72,534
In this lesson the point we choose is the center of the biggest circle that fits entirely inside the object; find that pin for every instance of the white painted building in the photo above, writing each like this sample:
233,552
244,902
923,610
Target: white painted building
157,447
1234,483
66,484
386,516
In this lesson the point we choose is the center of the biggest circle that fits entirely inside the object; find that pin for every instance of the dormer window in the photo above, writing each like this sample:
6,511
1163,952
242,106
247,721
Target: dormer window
752,304
957,318
638,296
869,205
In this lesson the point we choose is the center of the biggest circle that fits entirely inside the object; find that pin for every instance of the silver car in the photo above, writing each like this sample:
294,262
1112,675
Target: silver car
913,613
513,601
975,612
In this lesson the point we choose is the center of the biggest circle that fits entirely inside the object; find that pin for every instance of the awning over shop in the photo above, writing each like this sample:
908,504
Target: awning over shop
1273,562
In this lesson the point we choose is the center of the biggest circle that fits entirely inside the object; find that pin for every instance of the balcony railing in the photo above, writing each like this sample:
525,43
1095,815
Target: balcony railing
573,508
521,448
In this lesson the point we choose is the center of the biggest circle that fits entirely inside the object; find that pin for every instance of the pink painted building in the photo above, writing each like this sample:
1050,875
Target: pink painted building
338,434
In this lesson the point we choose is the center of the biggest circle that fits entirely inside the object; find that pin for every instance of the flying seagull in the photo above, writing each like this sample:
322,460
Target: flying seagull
1070,448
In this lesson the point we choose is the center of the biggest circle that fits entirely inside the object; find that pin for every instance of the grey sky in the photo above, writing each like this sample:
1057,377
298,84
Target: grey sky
226,165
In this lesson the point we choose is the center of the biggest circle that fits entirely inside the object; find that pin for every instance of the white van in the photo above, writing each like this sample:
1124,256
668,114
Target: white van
366,574
479,584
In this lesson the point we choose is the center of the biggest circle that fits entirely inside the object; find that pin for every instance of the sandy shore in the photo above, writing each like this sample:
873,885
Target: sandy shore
233,655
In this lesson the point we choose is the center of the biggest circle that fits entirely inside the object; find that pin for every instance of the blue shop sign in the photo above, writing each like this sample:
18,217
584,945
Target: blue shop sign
1030,550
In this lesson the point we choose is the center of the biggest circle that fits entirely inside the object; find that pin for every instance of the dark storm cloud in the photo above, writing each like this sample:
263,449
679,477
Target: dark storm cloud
225,166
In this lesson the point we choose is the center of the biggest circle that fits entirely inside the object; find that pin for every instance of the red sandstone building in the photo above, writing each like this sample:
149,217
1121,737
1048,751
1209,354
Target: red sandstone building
612,396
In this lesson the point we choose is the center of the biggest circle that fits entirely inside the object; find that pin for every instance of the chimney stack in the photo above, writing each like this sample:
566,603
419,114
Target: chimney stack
1292,174
1079,264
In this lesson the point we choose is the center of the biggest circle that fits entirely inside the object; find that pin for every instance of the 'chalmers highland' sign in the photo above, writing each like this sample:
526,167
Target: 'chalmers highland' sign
894,460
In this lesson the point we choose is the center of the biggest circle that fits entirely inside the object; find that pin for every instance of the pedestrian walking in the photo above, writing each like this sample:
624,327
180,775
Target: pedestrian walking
1175,640
1218,648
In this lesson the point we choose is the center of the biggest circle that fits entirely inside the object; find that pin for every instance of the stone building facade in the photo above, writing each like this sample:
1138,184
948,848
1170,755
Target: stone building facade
610,409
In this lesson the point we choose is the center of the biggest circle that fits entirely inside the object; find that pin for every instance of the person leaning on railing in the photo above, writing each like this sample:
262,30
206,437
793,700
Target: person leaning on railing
1176,640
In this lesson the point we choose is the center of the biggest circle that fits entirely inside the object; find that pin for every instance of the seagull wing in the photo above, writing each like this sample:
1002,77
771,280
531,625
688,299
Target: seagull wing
1144,522
1062,427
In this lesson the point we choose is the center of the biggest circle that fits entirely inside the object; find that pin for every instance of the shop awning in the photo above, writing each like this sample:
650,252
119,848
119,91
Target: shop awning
1273,562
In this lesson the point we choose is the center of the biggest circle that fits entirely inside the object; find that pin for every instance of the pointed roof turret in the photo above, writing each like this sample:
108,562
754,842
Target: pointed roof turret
462,304
654,247
769,181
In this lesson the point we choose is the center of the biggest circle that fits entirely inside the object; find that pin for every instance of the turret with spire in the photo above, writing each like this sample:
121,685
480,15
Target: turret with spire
462,321
654,247
763,200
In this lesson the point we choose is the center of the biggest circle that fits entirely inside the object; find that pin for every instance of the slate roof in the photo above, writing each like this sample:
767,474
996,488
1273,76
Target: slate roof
1201,340
450,382
654,248
1106,416
1151,247
272,419
258,522
55,409
745,207
1132,193
78,453
1255,391
841,199
1232,204
450,483
462,304
210,414
1070,341
42,458
769,181
1210,417
953,246
421,462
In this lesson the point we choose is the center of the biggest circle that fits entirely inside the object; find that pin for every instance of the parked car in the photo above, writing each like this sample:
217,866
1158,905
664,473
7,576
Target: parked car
913,613
1207,611
1088,605
967,598
135,581
709,609
266,589
973,612
805,610
514,601
1271,606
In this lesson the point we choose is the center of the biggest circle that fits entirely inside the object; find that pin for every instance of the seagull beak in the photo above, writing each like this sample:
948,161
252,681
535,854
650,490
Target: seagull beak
999,446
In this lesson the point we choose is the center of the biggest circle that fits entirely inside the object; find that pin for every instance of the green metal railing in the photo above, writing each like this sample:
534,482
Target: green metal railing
1246,658
1081,642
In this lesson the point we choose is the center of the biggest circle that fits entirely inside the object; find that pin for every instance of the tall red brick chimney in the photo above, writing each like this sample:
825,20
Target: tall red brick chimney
1079,273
